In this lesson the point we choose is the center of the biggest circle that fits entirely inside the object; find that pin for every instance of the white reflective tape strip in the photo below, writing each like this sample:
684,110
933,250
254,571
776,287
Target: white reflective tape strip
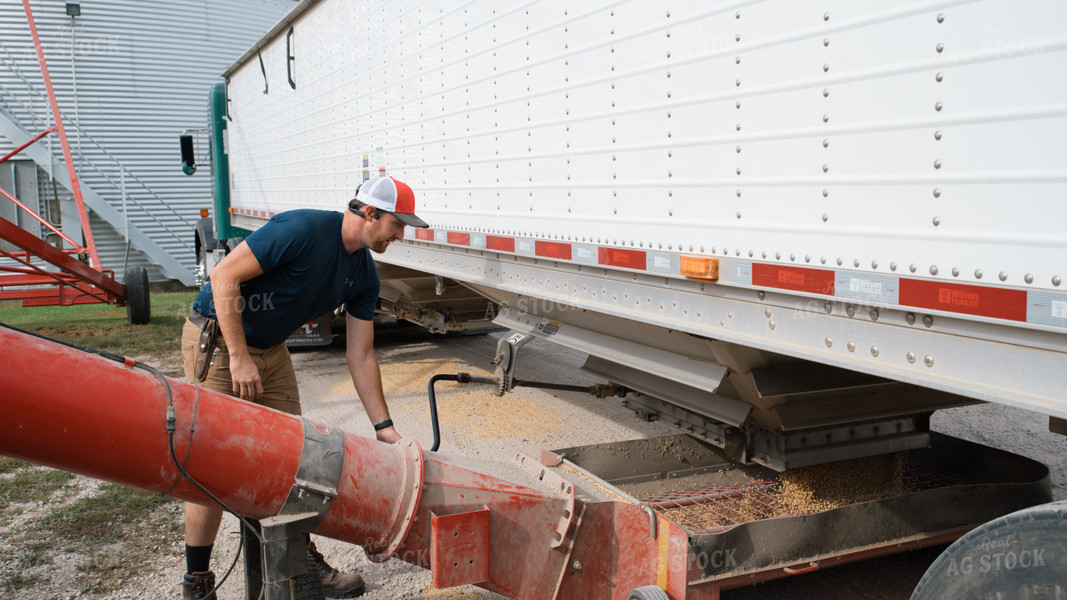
1046,308
866,287
661,262
584,254
478,241
524,246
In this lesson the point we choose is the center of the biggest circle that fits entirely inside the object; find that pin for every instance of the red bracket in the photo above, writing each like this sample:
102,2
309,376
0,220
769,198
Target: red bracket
459,548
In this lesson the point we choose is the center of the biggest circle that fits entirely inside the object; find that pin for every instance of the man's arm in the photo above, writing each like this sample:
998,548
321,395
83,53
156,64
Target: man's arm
366,375
239,265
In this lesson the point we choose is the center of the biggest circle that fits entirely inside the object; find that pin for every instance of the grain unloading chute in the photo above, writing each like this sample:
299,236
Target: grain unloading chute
108,419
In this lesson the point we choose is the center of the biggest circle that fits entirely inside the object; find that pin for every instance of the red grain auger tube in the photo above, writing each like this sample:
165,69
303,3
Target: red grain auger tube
76,411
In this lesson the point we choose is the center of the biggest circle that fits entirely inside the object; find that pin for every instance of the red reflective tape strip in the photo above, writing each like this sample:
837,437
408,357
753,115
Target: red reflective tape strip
799,279
553,250
503,244
424,234
461,239
998,303
617,257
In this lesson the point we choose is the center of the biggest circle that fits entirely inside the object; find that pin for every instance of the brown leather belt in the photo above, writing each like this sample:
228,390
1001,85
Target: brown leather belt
198,319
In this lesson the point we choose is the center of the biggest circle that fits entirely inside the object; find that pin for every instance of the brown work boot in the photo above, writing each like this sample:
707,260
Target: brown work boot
196,586
336,584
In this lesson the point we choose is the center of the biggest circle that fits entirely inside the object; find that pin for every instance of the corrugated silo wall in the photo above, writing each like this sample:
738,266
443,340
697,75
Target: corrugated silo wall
142,72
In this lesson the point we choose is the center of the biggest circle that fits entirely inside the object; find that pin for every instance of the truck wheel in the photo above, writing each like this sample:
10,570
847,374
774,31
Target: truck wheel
1018,556
138,307
648,592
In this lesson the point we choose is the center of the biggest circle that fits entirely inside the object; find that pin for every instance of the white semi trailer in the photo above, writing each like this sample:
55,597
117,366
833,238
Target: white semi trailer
792,229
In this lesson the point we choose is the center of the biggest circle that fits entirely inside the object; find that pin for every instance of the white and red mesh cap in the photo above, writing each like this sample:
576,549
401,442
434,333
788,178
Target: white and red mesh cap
388,194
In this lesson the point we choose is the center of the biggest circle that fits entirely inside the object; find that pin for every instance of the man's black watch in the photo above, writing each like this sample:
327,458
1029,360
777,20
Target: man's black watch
383,425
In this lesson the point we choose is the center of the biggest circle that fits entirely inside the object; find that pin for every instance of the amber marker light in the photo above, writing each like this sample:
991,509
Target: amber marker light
204,213
700,267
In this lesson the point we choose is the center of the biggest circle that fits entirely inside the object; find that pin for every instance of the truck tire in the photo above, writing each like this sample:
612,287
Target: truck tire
648,592
1019,556
138,302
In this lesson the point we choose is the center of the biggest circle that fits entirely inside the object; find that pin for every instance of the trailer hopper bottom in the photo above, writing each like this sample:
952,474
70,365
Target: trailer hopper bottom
741,528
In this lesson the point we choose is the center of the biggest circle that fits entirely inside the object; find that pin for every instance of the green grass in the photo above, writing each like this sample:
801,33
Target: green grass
103,518
32,484
8,464
120,526
104,326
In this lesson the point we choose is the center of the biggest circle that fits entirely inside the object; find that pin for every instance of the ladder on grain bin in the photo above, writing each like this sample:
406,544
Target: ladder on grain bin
73,274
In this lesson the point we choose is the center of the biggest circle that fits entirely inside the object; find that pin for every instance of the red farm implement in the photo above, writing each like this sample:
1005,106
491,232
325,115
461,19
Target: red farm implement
42,274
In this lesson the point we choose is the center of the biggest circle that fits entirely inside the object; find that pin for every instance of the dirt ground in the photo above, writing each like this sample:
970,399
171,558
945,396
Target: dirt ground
481,430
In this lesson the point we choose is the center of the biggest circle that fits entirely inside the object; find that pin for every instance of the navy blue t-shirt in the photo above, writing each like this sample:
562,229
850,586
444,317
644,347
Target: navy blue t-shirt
306,274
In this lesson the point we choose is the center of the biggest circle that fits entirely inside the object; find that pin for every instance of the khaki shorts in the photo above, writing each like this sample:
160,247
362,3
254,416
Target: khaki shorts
275,370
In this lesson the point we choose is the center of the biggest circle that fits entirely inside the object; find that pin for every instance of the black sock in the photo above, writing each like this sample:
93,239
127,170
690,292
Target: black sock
197,558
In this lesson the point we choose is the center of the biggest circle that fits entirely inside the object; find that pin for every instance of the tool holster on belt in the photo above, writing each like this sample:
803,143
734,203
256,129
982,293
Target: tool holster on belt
205,349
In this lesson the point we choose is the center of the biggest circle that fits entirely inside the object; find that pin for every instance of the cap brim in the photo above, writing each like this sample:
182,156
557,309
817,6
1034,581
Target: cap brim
411,220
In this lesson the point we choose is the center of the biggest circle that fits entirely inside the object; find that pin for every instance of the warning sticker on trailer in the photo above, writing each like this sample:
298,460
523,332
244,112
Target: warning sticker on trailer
549,327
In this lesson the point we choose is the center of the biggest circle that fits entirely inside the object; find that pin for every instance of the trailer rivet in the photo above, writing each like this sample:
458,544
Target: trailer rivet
1003,276
874,315
938,106
851,346
910,318
826,17
828,307
928,360
928,321
761,295
826,118
807,258
792,257
939,77
826,168
767,312
826,41
822,259
933,269
874,351
826,67
850,311
763,254
1029,278
937,164
1056,281
771,324
829,341
937,192
941,18
577,565
912,267
856,263
955,271
940,48
937,135
978,273
937,221
840,261
893,266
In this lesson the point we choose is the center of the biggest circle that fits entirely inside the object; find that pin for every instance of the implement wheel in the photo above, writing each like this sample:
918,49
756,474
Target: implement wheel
138,307
648,592
1018,556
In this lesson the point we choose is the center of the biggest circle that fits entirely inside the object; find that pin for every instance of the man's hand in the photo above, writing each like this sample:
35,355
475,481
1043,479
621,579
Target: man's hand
247,384
388,435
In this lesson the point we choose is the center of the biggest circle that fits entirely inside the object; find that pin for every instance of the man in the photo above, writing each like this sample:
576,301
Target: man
299,266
